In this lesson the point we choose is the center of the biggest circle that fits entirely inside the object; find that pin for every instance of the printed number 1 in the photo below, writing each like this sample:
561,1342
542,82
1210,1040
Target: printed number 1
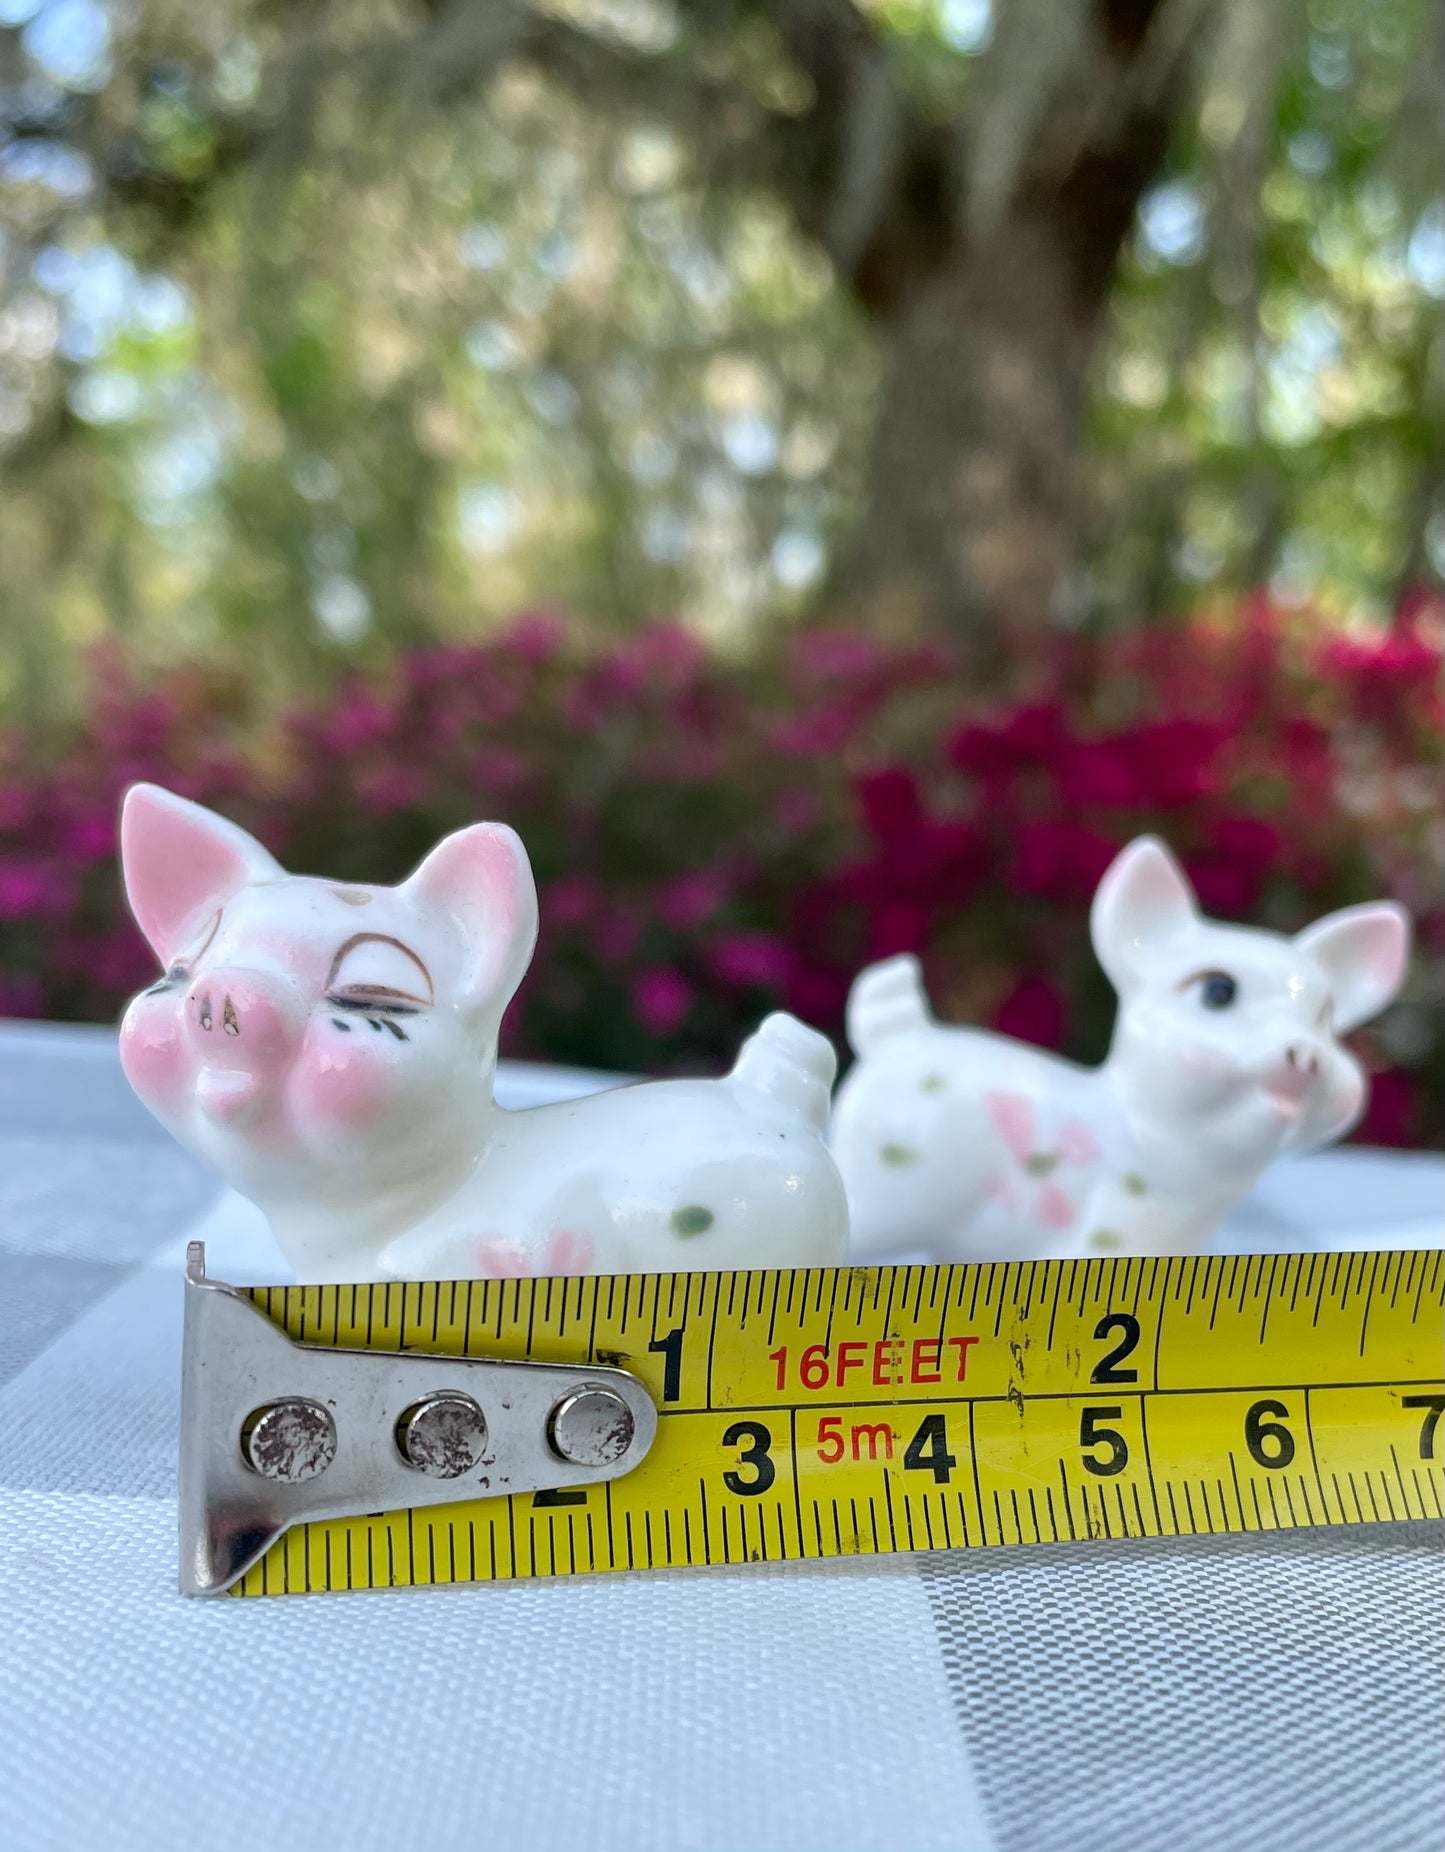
671,1349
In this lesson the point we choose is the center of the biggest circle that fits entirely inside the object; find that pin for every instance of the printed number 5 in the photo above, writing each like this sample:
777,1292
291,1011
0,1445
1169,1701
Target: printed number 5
1092,1435
756,1456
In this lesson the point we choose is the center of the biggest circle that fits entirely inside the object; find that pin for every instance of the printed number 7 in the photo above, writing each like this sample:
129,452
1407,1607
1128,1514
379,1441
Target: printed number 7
1434,1406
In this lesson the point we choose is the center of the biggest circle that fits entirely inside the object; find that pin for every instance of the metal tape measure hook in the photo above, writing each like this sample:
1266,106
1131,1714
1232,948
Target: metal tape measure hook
274,1432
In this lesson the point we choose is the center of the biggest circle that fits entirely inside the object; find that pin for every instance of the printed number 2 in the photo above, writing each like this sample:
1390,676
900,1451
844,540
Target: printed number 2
1434,1406
756,1456
1091,1434
1107,1370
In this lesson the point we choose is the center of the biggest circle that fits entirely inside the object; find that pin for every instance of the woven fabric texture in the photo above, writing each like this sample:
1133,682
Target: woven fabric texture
1278,1693
1237,1695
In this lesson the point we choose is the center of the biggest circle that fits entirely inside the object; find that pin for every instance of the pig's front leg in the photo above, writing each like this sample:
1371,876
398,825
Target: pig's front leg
1129,1215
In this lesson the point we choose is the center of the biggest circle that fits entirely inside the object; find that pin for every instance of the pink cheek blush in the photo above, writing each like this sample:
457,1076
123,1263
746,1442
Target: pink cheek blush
153,1055
345,1082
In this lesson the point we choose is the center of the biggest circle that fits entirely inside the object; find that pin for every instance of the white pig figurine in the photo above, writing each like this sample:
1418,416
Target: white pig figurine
330,1048
1224,1056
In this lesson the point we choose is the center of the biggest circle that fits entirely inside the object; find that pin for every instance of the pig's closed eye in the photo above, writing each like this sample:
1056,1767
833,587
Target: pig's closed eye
179,969
1217,989
175,974
373,1004
372,981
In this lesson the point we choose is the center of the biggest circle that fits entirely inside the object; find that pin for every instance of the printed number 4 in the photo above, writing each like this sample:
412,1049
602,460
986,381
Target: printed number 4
928,1450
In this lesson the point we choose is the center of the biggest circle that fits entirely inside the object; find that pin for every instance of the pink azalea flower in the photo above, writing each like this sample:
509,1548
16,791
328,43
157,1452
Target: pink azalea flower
1392,1114
661,998
21,994
571,900
749,958
890,802
692,898
26,890
1033,1012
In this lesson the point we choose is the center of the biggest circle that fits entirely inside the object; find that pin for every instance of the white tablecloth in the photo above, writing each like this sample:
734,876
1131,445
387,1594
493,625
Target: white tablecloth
1279,1694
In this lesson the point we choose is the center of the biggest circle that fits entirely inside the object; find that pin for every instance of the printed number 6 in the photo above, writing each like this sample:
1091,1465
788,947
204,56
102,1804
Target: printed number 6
1258,1430
1434,1406
756,1456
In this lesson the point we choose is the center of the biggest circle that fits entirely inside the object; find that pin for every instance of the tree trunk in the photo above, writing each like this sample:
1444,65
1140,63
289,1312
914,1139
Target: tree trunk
971,506
984,257
982,248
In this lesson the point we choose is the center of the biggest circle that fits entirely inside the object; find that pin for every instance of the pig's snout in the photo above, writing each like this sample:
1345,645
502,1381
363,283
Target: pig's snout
1292,1075
242,1027
240,1018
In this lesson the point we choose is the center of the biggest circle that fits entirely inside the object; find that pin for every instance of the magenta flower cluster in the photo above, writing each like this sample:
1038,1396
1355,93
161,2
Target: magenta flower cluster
714,838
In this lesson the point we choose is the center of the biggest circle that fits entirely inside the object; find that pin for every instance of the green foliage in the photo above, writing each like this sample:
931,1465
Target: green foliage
313,344
1273,372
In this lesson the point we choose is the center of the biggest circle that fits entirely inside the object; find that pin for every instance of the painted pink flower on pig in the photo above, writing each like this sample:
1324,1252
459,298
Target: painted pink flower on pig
331,1048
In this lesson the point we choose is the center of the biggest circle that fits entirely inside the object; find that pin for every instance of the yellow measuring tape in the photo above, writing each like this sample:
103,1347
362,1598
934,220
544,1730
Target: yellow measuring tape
867,1410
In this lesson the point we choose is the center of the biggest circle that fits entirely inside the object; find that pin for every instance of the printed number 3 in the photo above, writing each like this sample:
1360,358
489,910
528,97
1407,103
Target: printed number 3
756,1456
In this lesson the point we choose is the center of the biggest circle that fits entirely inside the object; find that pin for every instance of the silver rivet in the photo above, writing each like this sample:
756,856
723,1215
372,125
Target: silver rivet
443,1435
290,1441
591,1427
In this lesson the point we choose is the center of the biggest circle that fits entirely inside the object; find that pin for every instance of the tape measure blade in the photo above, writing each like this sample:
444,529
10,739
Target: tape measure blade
858,1411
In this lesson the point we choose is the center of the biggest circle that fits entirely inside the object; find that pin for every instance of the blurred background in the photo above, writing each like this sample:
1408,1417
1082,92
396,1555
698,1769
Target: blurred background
829,472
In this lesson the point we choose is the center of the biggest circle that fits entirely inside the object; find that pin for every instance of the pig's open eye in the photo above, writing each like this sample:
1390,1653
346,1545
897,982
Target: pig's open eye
1217,989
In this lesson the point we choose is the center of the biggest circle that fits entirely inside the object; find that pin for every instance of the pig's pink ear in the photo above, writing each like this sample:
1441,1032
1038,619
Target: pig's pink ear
1363,952
181,862
481,879
1144,899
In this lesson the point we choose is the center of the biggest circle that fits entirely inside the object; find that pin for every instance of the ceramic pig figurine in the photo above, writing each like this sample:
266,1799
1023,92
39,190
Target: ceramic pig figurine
330,1049
1224,1056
